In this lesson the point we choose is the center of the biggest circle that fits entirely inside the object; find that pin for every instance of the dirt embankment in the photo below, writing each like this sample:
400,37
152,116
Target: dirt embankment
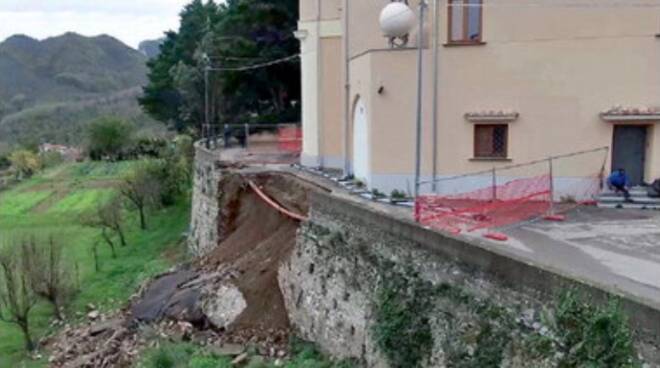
258,239
232,294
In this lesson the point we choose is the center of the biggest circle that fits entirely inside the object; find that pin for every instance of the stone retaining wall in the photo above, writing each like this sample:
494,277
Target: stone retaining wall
346,251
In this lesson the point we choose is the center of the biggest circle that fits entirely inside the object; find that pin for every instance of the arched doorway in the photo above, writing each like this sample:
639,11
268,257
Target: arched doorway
360,142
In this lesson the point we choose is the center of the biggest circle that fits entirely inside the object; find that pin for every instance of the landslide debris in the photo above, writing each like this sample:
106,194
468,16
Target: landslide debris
229,296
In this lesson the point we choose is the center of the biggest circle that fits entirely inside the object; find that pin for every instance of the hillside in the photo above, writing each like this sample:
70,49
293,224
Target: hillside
49,89
151,48
64,122
67,66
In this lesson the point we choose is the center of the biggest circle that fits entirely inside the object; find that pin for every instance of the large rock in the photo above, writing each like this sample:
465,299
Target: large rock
223,305
170,297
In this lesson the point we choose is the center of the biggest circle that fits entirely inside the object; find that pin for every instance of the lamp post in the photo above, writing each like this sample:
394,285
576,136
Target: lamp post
436,62
206,128
420,81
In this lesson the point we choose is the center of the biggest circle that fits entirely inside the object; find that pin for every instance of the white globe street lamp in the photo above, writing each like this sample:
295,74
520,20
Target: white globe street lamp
396,22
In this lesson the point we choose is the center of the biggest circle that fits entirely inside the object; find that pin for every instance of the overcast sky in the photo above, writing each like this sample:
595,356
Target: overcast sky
131,21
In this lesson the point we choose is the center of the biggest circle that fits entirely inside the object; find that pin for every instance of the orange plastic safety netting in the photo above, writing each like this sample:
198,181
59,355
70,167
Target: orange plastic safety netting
511,195
290,139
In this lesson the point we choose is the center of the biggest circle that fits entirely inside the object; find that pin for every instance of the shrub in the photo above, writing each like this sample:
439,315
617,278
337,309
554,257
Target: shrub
51,159
25,162
593,336
398,194
108,138
4,163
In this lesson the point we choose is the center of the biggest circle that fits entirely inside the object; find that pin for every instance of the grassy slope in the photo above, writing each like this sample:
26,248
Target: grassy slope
52,204
186,355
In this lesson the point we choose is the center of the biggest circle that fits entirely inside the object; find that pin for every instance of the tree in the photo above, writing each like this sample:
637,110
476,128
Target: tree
50,275
108,137
25,162
173,170
162,99
17,296
253,31
235,33
142,189
109,219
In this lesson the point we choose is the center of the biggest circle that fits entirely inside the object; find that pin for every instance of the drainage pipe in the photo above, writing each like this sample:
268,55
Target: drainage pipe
274,204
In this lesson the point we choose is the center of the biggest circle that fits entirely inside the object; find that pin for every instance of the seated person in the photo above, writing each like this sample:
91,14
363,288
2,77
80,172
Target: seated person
653,190
618,181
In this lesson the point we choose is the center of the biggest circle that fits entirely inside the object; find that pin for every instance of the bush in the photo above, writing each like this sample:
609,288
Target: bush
171,355
4,163
108,138
51,159
147,148
183,355
171,178
593,336
25,162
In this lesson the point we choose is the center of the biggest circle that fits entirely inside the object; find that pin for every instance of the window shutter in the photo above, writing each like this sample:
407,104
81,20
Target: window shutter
483,144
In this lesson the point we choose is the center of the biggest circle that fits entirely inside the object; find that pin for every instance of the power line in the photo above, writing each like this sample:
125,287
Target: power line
256,66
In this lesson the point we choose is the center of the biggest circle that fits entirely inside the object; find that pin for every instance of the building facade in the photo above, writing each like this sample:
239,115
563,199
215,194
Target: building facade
517,81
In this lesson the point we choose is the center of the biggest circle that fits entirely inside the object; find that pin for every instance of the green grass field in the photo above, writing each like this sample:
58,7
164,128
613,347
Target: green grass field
51,204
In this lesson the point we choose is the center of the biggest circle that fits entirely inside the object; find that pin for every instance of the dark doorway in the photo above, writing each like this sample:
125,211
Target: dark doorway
629,151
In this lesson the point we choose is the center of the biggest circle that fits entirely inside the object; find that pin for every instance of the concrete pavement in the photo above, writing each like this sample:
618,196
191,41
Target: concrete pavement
618,250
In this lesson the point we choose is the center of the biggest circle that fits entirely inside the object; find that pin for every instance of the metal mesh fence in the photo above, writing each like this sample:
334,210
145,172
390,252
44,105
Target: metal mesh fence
509,195
268,143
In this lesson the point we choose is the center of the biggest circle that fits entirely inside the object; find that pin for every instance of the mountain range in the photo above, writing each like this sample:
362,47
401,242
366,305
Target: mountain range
49,89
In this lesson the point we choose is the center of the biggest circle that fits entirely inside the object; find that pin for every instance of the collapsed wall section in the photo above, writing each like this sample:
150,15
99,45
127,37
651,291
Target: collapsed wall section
207,172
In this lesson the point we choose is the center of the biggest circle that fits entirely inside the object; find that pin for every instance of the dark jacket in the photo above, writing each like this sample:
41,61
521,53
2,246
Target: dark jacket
618,179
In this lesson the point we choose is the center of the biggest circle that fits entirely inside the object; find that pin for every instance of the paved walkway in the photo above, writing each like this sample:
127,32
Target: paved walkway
618,250
615,250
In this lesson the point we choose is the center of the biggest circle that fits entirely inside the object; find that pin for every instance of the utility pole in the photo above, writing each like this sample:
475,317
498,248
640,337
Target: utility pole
207,128
420,81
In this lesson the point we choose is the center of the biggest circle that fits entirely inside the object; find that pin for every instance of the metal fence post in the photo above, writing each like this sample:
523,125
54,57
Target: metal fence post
206,131
247,135
494,184
552,187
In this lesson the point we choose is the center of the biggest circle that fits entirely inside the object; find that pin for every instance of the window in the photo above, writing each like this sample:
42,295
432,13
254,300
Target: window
465,21
491,141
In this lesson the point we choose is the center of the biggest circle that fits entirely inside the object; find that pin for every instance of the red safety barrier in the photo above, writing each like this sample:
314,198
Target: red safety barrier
502,206
515,201
290,139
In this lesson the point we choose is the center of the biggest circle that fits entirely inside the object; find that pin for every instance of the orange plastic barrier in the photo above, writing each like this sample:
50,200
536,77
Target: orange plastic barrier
290,139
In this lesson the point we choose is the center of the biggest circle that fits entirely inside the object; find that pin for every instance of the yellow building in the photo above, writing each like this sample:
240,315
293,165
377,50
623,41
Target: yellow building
518,80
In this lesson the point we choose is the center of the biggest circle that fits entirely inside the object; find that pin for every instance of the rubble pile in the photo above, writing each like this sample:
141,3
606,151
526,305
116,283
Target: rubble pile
108,342
227,300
